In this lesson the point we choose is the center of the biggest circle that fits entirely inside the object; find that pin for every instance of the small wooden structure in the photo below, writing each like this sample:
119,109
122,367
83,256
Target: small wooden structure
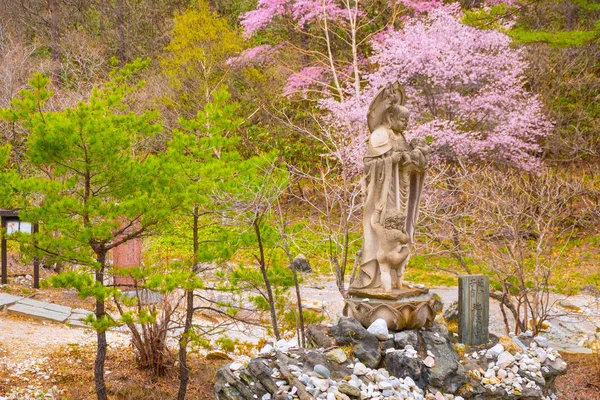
11,223
128,254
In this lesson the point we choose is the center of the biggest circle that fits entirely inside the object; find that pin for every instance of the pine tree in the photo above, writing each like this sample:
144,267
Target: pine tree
94,185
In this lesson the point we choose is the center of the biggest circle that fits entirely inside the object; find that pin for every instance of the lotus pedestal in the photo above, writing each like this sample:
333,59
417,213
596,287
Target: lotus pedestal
407,308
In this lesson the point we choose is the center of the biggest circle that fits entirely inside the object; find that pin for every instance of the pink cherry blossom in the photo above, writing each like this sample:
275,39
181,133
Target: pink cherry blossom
301,11
300,81
253,55
498,2
466,92
422,6
264,13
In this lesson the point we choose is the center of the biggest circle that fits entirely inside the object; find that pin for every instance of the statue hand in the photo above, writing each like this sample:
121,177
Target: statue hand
399,156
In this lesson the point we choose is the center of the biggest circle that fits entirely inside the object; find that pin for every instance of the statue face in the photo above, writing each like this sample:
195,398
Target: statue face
394,220
398,118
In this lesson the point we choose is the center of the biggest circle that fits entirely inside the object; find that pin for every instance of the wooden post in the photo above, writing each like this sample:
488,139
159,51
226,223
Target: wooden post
36,260
473,309
3,251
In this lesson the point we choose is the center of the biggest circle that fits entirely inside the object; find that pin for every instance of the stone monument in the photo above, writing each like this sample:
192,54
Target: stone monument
473,309
394,173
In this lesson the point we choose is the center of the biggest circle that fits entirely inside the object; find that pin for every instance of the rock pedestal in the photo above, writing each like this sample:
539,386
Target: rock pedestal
352,363
408,308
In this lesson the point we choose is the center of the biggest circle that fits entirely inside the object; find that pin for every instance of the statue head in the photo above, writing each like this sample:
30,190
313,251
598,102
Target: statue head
387,109
394,219
397,118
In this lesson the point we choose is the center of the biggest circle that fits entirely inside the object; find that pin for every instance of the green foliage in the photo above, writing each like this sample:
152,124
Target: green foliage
233,9
279,276
487,18
7,175
195,58
209,171
554,38
290,319
92,182
83,283
227,344
496,17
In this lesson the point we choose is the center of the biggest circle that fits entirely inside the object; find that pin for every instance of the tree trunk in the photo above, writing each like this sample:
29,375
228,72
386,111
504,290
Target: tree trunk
102,345
101,16
184,371
121,32
302,339
263,269
54,41
300,320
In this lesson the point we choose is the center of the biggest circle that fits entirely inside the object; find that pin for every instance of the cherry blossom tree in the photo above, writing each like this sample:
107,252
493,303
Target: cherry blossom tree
466,90
465,87
332,40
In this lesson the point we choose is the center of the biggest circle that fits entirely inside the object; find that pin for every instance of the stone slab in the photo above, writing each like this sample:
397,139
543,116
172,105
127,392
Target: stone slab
77,322
58,308
81,311
37,312
570,348
146,296
80,314
34,303
8,299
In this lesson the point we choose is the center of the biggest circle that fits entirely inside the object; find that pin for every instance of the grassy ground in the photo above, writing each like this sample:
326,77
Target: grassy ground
578,266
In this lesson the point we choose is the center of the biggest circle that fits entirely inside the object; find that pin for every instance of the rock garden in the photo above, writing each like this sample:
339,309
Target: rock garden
347,361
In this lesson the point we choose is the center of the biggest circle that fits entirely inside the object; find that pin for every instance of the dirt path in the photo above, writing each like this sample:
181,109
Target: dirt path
22,338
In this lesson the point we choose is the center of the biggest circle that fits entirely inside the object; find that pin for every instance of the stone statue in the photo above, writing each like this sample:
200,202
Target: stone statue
394,174
393,246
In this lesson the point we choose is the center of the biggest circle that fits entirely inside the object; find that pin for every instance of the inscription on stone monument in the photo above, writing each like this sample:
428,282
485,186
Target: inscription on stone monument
474,309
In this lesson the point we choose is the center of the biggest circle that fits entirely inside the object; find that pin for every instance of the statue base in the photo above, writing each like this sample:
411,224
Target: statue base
408,308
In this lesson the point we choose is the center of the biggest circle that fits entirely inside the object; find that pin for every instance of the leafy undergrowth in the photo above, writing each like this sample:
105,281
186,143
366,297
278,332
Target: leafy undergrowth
429,271
578,267
582,381
67,373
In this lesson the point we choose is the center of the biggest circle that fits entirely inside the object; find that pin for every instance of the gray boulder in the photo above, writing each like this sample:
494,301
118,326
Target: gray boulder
401,366
231,387
551,370
448,374
404,338
451,313
257,367
316,336
301,264
349,331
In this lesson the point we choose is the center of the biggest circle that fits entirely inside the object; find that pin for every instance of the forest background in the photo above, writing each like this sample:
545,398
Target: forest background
229,135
